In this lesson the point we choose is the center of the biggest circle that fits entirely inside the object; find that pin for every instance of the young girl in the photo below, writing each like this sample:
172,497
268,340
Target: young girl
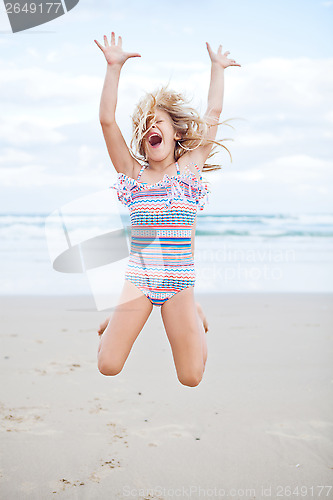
161,184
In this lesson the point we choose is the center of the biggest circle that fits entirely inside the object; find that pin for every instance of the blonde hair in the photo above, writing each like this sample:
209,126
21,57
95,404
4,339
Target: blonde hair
186,121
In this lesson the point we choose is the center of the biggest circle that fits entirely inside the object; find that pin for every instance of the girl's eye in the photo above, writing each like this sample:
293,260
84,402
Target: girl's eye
159,121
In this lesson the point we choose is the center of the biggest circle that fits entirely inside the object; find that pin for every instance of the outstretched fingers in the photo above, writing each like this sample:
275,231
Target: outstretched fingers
210,52
99,45
114,53
113,40
221,58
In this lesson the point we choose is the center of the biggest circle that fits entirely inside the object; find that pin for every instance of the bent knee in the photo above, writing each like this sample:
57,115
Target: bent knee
107,368
191,379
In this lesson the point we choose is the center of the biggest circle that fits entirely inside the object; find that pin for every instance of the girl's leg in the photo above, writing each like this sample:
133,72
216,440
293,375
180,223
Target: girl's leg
123,328
186,335
203,318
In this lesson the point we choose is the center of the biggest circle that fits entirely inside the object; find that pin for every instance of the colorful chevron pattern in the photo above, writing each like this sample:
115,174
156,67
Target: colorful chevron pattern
162,217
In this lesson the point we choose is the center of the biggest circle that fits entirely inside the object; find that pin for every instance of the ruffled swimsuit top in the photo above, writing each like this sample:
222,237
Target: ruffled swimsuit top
162,217
174,200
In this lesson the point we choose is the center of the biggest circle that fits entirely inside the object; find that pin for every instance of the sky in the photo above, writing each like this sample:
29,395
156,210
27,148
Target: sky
280,99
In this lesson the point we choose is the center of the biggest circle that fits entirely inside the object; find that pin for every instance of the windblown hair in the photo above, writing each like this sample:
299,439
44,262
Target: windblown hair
186,121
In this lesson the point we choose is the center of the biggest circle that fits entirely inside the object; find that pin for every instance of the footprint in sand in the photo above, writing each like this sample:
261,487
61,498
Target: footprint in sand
164,432
111,464
65,483
53,367
118,433
24,419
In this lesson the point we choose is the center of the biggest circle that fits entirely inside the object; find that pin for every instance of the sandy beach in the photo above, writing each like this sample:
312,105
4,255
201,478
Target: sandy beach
259,425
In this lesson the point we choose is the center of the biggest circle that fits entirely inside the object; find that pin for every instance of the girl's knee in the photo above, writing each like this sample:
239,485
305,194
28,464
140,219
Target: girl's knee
191,379
108,368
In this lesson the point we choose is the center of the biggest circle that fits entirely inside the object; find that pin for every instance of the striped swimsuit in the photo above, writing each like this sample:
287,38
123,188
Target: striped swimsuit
162,217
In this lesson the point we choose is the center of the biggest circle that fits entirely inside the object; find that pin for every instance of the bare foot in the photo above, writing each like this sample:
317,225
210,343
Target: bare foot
202,316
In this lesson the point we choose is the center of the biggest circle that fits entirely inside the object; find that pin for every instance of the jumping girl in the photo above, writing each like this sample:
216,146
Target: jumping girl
162,186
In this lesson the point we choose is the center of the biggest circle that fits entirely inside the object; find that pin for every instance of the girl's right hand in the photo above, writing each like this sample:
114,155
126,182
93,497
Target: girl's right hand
114,54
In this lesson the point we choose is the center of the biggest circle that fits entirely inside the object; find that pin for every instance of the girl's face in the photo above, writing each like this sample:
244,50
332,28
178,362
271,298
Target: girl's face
159,142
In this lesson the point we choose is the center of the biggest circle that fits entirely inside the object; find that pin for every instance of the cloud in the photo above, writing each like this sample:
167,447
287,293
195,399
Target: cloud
50,130
35,175
37,85
26,131
288,169
12,156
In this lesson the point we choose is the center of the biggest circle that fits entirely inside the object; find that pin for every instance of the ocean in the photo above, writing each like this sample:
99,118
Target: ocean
234,253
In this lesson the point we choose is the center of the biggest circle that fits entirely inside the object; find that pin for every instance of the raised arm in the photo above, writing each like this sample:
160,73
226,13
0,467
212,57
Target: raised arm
115,142
219,62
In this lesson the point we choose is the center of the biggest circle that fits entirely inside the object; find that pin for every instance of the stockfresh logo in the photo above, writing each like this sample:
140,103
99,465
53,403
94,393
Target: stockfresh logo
24,15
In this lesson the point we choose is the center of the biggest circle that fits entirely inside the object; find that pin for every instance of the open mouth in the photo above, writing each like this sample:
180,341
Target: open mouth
155,140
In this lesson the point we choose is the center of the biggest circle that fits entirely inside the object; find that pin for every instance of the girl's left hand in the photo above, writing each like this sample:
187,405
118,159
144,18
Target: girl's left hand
220,58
